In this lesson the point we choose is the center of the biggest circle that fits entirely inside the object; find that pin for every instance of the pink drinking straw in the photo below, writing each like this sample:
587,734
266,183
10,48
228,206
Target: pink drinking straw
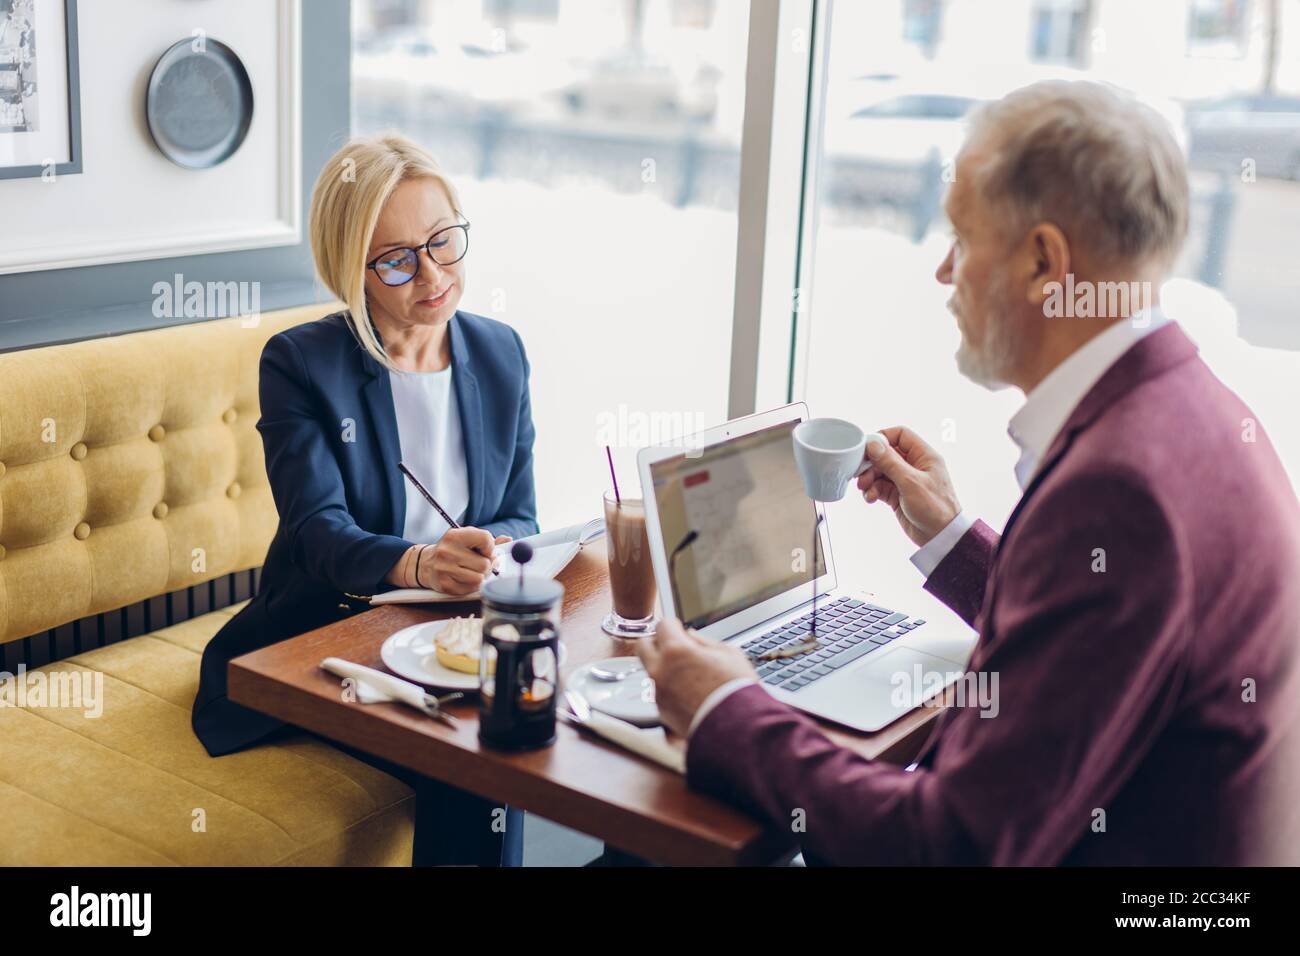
610,455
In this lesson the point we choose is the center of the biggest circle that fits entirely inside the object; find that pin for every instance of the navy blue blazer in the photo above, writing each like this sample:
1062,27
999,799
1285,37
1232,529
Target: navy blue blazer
330,434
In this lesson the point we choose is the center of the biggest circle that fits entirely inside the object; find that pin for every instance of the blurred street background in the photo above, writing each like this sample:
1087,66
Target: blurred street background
568,122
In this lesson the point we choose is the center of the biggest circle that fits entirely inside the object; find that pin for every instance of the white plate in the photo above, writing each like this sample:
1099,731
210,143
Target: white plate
631,699
410,653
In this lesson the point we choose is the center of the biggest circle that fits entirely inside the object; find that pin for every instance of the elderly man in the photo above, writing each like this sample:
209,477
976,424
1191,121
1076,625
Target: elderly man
1142,606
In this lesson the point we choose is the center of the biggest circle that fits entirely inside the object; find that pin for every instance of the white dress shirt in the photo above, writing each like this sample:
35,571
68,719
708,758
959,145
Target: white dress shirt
428,430
1045,412
1033,429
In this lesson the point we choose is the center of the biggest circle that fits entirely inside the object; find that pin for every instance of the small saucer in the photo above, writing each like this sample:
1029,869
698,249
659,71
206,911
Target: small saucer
631,699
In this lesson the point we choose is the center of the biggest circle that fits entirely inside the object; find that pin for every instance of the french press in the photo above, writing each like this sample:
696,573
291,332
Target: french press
519,667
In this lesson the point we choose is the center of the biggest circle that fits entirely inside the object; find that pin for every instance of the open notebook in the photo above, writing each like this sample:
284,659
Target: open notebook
552,552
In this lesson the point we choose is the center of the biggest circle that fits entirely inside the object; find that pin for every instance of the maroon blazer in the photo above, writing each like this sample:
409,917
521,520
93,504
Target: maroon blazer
1148,712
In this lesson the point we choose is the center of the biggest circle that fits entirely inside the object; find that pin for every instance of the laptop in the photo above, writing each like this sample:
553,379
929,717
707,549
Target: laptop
743,555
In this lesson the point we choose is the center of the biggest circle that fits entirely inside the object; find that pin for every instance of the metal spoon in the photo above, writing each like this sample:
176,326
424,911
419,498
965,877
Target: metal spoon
602,673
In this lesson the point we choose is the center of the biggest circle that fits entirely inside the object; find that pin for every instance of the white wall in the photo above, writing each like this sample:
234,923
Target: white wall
130,201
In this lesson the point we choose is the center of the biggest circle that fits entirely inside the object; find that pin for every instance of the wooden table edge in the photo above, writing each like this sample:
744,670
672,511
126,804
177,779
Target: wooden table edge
370,729
255,680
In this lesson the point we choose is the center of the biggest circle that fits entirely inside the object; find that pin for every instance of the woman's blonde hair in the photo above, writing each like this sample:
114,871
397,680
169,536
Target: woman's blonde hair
345,205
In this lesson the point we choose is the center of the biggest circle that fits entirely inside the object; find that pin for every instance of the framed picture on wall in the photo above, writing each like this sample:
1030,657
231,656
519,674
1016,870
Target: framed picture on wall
130,201
40,94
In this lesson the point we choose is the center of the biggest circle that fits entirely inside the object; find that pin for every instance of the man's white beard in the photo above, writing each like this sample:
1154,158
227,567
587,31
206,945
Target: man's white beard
980,367
988,366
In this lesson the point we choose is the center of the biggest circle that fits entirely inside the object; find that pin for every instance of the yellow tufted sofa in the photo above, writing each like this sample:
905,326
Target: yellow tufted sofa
131,467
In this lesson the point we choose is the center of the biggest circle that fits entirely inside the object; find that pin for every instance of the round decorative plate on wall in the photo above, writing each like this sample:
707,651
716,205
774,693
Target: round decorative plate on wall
199,104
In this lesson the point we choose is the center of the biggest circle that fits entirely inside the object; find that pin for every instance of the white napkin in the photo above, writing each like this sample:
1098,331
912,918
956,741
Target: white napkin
649,742
367,694
379,688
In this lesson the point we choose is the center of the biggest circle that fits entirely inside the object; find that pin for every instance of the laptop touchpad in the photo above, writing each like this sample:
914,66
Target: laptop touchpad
904,676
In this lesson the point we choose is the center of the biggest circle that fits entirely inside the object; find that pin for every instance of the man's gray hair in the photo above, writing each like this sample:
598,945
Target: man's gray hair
1102,166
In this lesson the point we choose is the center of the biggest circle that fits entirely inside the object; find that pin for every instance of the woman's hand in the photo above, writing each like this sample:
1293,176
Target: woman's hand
457,564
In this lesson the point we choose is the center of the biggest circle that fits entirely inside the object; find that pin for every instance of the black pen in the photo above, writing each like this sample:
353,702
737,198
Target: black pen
429,498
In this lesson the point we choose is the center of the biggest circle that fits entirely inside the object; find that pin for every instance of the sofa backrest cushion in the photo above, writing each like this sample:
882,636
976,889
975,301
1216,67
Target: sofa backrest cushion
131,467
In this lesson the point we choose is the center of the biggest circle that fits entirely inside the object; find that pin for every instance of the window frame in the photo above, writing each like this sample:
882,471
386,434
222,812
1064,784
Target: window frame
785,87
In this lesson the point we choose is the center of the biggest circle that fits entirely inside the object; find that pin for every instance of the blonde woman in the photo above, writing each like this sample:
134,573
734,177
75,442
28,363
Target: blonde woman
400,376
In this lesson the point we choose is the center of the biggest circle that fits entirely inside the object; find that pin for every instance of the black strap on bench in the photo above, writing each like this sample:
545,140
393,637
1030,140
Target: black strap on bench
142,617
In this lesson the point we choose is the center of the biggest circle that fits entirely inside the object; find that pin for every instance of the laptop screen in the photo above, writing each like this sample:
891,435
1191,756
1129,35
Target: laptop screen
754,523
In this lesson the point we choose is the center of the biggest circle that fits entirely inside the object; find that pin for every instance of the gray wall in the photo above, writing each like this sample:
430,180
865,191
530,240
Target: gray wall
39,308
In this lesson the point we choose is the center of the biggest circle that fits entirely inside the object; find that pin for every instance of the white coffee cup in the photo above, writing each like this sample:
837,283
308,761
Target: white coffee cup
829,453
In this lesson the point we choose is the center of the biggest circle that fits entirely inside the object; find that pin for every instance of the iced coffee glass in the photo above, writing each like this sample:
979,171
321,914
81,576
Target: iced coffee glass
631,575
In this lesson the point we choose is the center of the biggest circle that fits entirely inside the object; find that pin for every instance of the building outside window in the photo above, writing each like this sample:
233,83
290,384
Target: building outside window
1059,32
921,22
1218,27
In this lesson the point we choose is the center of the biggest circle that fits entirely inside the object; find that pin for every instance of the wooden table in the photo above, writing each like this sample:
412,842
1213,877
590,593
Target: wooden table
581,782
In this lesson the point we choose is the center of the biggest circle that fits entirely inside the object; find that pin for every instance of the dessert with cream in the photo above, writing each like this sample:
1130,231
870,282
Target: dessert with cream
458,643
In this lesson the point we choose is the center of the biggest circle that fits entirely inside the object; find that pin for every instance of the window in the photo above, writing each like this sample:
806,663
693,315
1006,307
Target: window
1218,27
597,151
508,10
919,107
1059,30
392,14
874,340
921,19
694,13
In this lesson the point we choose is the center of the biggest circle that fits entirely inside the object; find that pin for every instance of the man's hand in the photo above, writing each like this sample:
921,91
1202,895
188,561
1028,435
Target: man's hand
911,478
686,668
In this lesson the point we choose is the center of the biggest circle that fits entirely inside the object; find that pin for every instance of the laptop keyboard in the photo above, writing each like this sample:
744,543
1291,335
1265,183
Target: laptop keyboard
846,630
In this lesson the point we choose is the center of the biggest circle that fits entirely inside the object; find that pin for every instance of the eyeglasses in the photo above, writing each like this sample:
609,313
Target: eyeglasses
399,266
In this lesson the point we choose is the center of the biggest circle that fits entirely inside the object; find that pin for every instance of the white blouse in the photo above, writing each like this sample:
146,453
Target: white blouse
428,429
